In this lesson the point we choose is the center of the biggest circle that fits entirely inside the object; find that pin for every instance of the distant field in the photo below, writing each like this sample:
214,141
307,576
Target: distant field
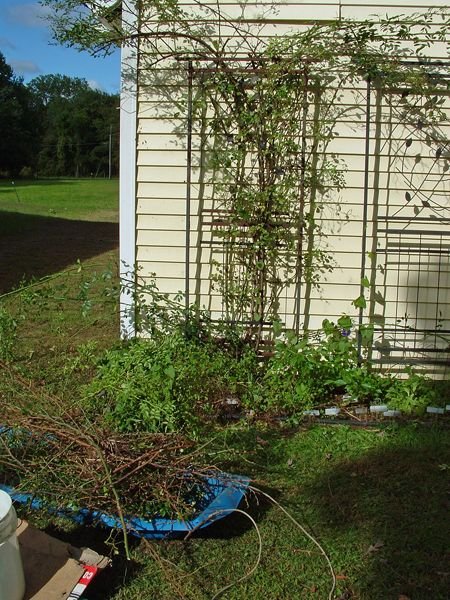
80,199
47,225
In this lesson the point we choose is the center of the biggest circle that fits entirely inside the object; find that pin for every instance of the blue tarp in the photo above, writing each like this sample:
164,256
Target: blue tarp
224,493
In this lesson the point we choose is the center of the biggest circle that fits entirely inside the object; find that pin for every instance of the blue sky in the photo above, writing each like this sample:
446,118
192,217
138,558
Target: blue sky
25,41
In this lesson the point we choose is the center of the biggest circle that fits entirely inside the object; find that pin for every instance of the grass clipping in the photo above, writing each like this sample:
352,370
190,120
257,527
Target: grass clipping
72,461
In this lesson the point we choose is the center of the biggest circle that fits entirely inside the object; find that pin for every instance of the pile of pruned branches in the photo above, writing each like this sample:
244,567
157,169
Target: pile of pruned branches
71,460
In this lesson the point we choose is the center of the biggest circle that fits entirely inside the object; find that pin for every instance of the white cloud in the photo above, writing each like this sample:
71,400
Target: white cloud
24,67
95,85
30,15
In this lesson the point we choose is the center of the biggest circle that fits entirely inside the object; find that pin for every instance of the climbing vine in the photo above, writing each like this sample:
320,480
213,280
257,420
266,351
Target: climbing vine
269,109
269,154
272,120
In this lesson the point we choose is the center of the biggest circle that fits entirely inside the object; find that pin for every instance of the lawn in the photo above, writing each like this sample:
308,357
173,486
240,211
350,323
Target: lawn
78,199
375,498
48,225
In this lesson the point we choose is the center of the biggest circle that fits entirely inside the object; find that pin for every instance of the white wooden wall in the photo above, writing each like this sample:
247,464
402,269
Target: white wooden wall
160,174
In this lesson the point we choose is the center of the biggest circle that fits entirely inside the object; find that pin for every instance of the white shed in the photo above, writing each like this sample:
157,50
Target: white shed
386,231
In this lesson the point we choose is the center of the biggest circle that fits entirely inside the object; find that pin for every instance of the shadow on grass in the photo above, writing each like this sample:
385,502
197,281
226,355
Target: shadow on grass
122,572
109,581
33,247
400,497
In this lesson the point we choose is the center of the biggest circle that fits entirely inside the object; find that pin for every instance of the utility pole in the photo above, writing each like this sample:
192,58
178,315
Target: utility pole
110,152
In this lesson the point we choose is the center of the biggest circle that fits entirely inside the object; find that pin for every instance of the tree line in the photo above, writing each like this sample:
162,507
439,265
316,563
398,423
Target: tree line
56,126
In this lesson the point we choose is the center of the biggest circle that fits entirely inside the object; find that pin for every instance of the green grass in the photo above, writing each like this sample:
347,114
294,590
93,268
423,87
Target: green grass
48,225
376,499
52,320
81,199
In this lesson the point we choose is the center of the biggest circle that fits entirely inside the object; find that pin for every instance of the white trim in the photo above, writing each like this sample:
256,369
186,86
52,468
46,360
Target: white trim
128,126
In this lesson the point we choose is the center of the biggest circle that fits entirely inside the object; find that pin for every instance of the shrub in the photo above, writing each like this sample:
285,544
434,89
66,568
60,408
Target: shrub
164,385
411,395
304,371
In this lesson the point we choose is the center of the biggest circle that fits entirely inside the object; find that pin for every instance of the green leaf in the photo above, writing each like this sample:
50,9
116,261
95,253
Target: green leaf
360,302
170,372
277,328
365,282
345,322
366,332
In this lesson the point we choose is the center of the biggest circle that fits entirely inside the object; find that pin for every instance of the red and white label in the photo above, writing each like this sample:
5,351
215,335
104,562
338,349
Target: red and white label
83,582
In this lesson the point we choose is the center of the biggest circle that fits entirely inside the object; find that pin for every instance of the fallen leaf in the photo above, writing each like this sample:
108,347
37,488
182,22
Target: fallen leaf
403,597
345,596
375,547
341,577
290,462
261,441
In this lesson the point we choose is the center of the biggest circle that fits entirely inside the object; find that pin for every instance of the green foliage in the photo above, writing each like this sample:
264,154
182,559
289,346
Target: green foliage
271,173
85,357
305,371
19,123
411,395
76,124
270,124
363,385
55,126
166,384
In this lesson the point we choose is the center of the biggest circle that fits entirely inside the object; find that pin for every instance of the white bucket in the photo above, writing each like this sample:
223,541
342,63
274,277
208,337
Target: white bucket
12,580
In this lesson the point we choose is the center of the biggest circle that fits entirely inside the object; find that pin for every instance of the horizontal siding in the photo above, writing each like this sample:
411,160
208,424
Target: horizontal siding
177,206
360,12
262,11
395,5
153,254
154,222
161,181
294,12
173,150
258,5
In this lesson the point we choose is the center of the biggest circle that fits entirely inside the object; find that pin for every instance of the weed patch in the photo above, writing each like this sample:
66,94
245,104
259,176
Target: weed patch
166,384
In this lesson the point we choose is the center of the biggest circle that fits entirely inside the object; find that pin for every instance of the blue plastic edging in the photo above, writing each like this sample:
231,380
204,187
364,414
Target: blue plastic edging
227,492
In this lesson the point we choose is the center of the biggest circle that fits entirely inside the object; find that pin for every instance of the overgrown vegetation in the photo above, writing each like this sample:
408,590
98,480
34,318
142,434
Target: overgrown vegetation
168,384
174,383
195,371
62,375
121,407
